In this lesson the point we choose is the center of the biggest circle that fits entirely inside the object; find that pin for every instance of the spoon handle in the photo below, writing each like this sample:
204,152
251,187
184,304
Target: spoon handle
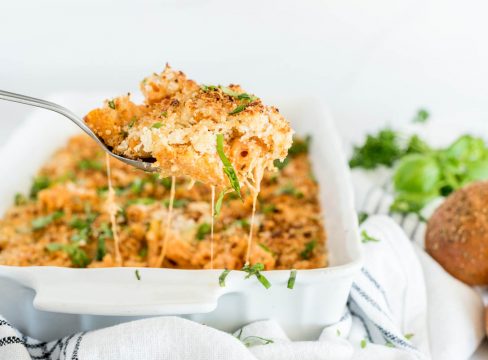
28,100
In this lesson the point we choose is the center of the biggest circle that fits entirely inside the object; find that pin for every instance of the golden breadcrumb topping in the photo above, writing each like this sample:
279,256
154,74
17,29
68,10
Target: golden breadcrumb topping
64,221
179,123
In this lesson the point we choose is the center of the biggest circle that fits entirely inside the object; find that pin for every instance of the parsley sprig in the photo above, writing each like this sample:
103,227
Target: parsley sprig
228,168
78,256
255,270
43,221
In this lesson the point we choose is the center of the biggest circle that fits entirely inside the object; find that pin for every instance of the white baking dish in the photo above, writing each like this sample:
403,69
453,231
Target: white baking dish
99,297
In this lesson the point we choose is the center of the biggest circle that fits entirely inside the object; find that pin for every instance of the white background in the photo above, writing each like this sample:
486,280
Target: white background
373,62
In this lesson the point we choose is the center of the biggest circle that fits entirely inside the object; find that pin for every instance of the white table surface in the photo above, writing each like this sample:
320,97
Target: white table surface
373,62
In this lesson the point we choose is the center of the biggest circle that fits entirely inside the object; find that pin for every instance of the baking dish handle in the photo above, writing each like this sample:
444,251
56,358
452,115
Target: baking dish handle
120,301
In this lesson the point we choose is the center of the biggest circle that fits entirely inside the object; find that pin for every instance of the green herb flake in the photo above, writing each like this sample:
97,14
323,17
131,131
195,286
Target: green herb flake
300,146
365,237
177,203
409,336
363,343
421,117
105,232
87,164
362,217
164,114
256,340
306,254
77,256
281,164
290,189
207,88
111,104
255,270
291,279
202,231
137,186
20,199
238,109
132,122
138,276
43,221
143,252
338,332
266,248
223,276
268,209
228,168
141,201
389,344
157,125
39,183
219,202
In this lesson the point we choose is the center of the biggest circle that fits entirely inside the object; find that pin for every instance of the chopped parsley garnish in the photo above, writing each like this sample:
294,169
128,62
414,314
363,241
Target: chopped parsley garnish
40,183
290,189
141,201
43,221
157,125
409,336
105,232
255,270
177,203
306,254
363,343
238,109
228,168
291,280
137,186
111,104
20,199
78,256
87,164
143,252
222,277
83,226
265,248
138,276
132,122
207,88
421,117
268,208
281,164
218,203
365,237
166,182
362,217
164,114
299,146
203,230
253,340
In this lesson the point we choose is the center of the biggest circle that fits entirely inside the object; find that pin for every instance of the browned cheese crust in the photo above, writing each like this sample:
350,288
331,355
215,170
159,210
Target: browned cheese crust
179,122
457,234
288,217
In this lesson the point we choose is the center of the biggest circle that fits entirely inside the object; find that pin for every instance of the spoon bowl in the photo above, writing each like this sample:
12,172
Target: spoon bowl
142,164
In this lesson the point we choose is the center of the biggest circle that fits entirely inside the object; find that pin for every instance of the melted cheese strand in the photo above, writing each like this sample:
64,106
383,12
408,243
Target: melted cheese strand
212,227
112,209
167,225
258,176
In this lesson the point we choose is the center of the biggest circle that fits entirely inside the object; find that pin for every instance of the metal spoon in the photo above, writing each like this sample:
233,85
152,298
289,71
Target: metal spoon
146,165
